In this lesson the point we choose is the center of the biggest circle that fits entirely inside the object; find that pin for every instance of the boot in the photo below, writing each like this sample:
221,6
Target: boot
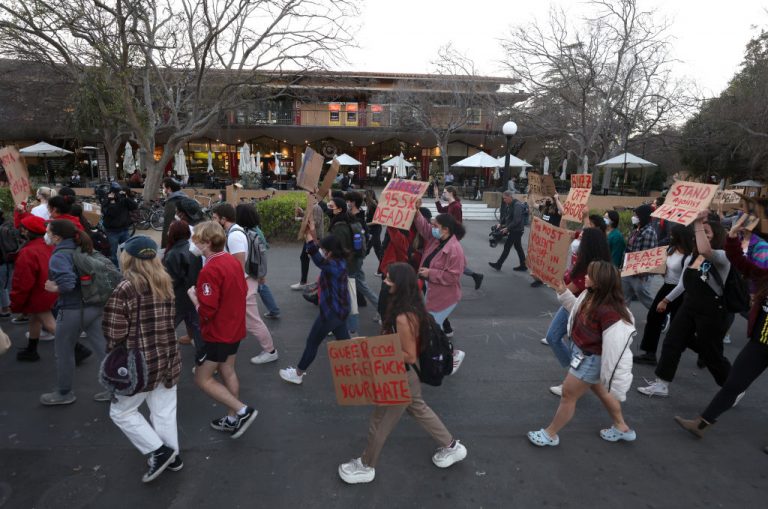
696,427
29,354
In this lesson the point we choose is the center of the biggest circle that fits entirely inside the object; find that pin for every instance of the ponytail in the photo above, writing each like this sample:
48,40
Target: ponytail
84,242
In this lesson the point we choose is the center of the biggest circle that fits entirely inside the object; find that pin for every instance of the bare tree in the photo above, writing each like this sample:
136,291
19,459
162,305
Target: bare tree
178,64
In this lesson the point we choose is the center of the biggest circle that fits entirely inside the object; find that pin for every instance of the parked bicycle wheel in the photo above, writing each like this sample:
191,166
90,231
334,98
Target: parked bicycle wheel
144,215
156,220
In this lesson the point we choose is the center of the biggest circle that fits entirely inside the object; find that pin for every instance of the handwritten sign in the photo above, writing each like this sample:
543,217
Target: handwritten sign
309,173
684,201
330,177
369,371
751,223
581,180
726,198
650,261
309,213
540,186
576,204
16,171
548,251
397,205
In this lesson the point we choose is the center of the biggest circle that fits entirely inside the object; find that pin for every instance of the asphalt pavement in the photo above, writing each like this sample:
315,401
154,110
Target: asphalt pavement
73,456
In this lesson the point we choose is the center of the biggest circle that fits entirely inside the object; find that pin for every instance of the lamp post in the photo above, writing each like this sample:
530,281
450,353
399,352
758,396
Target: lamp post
90,150
509,129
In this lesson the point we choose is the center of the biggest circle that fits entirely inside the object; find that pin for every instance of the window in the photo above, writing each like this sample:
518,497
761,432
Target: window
376,114
334,114
351,109
474,116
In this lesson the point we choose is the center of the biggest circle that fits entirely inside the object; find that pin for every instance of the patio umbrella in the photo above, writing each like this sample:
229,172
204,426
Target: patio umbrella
258,163
129,165
514,162
401,167
346,160
479,160
210,162
623,161
395,161
563,175
523,174
245,159
546,166
44,150
180,166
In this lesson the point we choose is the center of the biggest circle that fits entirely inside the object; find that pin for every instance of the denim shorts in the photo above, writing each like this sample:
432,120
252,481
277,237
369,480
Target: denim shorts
589,369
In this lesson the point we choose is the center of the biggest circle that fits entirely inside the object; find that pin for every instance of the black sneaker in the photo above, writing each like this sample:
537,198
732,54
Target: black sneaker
159,461
536,284
495,266
175,465
81,353
222,424
271,315
645,358
244,421
27,356
200,356
520,268
478,280
447,329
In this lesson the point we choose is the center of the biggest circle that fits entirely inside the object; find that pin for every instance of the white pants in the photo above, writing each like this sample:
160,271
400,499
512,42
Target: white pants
162,412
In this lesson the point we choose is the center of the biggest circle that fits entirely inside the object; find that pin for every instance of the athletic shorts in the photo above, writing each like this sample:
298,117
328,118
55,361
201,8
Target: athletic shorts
219,352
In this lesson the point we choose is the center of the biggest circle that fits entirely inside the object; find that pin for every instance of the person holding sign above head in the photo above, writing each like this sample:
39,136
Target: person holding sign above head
600,328
701,321
407,316
512,223
333,296
642,237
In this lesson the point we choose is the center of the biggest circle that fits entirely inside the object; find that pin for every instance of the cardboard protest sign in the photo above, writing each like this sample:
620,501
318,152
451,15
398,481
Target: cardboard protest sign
330,178
397,204
369,371
751,223
650,261
16,171
540,186
308,213
548,185
727,197
684,201
576,204
548,252
309,173
581,180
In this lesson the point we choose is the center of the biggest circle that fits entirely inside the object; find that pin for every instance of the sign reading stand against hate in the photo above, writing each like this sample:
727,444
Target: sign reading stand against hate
17,174
684,201
548,252
397,204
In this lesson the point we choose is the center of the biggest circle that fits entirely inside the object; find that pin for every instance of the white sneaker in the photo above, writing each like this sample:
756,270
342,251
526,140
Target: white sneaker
377,318
727,339
355,472
290,375
264,357
667,321
557,390
458,358
656,388
298,286
739,398
544,341
447,456
44,336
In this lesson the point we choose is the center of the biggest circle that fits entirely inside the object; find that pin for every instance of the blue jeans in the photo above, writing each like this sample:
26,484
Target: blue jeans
440,316
558,328
317,334
6,275
268,299
116,237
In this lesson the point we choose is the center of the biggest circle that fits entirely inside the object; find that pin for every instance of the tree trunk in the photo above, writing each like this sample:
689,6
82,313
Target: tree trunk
153,180
444,155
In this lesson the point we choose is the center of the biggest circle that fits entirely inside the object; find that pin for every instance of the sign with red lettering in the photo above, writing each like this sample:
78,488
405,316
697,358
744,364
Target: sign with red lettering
582,180
397,205
684,201
650,261
309,173
576,204
548,251
369,371
16,171
540,186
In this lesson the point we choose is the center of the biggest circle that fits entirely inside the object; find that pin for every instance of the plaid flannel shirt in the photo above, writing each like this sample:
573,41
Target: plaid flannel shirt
642,239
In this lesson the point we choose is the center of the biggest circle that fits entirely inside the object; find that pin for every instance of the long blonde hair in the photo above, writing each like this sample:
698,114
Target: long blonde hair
147,274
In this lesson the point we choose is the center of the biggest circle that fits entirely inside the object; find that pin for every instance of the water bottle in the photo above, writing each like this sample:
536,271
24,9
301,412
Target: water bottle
357,241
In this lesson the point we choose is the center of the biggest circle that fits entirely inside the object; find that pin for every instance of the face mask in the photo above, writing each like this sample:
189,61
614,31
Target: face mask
195,250
48,239
444,196
635,220
607,221
436,232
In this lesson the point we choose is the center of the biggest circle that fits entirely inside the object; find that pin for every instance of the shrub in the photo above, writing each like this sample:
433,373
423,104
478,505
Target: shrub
278,216
625,219
6,202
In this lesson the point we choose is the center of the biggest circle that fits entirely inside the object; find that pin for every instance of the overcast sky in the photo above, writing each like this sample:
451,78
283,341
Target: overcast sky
404,35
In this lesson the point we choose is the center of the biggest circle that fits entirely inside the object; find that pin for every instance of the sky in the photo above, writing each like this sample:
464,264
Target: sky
709,36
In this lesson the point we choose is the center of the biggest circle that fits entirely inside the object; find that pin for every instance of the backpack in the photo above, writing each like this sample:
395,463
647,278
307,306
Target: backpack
98,276
359,241
735,291
526,214
10,242
436,356
255,258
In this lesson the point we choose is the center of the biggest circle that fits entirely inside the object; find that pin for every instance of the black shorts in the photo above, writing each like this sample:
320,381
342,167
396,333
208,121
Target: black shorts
219,352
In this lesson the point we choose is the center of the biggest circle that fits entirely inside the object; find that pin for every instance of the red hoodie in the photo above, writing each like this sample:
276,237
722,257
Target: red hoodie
221,292
28,293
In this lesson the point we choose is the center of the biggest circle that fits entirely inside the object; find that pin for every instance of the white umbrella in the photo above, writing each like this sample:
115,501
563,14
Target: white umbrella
258,163
401,167
514,162
44,149
180,166
210,162
253,167
278,168
129,166
546,166
396,161
346,160
626,160
479,160
523,174
565,166
245,159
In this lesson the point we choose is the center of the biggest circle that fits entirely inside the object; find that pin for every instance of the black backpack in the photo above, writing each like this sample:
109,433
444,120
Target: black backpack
735,294
10,242
359,239
436,356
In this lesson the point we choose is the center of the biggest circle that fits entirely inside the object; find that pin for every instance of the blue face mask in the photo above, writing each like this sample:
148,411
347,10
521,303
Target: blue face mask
436,232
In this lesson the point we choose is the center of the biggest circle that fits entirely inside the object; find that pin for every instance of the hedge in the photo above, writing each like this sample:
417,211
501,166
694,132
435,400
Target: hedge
6,202
278,216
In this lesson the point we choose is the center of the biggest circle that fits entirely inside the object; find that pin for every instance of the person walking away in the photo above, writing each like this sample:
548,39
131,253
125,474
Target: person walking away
238,246
407,317
28,294
616,242
141,314
451,196
643,237
357,216
512,223
700,322
116,216
219,298
173,193
73,314
600,327
334,300
247,217
184,267
681,245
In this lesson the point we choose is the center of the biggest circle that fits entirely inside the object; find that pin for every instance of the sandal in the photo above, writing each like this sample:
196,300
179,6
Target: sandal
541,439
613,434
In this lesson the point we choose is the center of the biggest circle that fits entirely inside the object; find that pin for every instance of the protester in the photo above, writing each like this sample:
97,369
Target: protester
6,268
681,246
700,322
407,317
513,224
616,242
173,193
355,268
219,297
43,195
643,237
74,315
140,313
28,294
319,223
238,246
453,208
333,297
247,217
116,216
374,229
600,327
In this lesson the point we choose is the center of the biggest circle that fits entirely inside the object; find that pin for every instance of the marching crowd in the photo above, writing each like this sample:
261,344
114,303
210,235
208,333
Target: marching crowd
127,303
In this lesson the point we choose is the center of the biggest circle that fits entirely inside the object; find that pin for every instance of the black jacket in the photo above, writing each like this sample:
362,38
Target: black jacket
512,216
116,215
183,268
168,213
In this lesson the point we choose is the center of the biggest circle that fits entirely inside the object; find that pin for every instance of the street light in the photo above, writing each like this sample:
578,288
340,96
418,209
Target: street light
509,129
